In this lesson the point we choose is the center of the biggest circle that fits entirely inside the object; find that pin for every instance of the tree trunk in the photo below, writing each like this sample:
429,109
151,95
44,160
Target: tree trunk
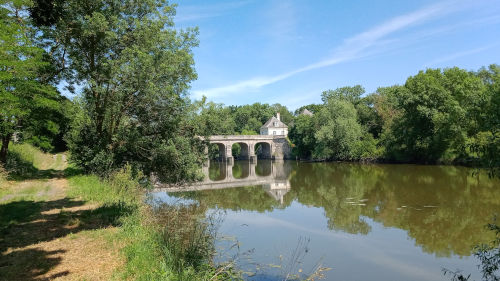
5,148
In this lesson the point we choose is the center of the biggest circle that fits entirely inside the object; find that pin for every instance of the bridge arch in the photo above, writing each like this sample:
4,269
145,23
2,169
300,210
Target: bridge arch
222,150
244,152
263,150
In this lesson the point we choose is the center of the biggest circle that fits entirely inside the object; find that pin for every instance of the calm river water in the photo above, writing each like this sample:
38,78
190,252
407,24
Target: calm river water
365,222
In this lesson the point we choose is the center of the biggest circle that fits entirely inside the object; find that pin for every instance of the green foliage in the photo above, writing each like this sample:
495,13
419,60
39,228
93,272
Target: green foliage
285,115
251,117
313,108
135,68
438,116
350,94
488,255
24,160
439,110
210,118
29,104
338,131
302,136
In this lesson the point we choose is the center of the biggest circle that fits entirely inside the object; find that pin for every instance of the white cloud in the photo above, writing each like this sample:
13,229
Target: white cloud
352,48
459,55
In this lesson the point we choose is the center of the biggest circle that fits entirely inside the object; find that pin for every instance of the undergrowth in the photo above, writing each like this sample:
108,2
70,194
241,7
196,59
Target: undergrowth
3,175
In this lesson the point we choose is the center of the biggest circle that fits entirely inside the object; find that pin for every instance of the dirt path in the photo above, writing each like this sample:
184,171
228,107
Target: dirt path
44,235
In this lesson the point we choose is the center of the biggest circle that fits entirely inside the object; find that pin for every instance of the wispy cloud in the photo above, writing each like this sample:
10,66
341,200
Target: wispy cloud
199,12
352,48
280,21
459,55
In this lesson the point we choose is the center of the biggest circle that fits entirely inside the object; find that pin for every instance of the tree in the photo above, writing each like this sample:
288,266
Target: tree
135,69
285,115
302,136
211,118
351,94
313,108
439,111
26,101
339,132
251,117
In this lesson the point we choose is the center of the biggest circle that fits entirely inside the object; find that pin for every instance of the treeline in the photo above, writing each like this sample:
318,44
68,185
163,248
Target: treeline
437,116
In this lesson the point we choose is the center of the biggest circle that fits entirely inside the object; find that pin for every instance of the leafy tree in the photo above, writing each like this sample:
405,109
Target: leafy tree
368,117
285,115
313,108
302,136
251,117
338,131
487,142
26,101
351,94
211,118
438,113
135,69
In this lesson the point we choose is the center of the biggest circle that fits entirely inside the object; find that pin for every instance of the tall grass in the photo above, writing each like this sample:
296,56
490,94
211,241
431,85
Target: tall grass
3,175
26,161
162,242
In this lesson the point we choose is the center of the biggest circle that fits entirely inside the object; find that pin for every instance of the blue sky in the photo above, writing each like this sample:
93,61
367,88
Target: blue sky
290,51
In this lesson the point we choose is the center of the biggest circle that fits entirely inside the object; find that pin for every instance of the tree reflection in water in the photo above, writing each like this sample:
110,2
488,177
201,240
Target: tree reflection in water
443,208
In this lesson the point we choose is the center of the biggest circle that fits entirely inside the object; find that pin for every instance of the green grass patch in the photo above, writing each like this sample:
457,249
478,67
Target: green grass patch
25,161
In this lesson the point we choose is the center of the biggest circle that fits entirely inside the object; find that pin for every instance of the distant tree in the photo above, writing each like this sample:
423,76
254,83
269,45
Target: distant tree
285,115
368,116
351,94
251,117
302,136
339,132
313,108
211,118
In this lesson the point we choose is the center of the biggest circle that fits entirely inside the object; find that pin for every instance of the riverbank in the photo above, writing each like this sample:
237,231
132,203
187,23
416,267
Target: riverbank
58,224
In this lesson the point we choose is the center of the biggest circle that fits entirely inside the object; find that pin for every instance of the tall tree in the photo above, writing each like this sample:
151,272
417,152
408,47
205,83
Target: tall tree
339,132
23,94
135,69
439,111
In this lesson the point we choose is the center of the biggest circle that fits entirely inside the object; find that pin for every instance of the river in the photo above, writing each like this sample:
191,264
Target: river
356,221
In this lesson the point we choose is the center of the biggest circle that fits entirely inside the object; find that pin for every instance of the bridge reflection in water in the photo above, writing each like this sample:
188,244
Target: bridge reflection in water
273,176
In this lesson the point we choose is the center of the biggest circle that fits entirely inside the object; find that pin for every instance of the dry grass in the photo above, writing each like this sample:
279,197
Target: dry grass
80,256
44,235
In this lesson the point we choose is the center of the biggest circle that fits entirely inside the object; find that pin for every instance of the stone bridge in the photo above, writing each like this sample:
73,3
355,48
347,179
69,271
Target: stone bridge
272,147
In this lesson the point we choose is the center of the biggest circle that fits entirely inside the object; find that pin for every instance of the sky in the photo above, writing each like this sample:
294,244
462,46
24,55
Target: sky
288,52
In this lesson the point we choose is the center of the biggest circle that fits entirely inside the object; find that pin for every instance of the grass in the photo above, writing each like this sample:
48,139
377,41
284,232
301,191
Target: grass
161,243
54,219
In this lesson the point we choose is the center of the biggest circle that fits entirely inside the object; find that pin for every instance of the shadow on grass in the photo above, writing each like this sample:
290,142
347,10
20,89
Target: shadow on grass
26,223
20,170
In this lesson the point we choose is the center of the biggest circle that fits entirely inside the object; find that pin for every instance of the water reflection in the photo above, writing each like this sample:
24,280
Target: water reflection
442,208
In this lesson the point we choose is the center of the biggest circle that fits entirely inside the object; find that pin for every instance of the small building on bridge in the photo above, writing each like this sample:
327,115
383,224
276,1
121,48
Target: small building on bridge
274,127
